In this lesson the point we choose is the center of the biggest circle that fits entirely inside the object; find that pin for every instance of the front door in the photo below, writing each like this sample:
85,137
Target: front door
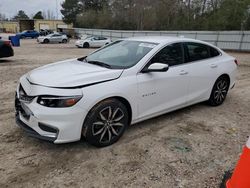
159,92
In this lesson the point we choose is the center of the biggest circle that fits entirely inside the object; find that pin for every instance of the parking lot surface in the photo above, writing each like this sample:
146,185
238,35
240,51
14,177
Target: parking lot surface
192,147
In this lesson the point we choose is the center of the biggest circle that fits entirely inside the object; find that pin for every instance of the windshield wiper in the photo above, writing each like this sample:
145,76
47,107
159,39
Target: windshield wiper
99,63
82,58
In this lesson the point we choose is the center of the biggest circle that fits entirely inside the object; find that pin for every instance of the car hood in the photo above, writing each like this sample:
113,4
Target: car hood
71,74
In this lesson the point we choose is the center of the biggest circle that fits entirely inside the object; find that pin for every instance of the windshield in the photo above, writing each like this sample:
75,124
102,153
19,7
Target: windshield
121,54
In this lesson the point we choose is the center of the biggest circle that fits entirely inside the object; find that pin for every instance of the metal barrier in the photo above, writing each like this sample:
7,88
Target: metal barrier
228,40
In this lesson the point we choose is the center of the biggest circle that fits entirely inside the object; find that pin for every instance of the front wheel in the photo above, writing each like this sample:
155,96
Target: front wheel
106,123
85,45
219,91
64,41
46,41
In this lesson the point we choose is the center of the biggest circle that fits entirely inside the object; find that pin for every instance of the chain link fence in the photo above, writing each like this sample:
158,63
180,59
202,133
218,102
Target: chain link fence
227,40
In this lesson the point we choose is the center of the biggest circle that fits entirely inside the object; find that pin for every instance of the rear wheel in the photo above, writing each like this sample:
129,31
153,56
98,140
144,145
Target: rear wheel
86,45
219,92
106,123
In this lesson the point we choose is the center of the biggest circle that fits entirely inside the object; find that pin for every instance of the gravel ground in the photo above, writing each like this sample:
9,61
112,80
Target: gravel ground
192,147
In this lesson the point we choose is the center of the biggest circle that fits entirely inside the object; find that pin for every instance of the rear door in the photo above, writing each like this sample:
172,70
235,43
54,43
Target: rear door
102,41
95,42
202,62
56,38
163,91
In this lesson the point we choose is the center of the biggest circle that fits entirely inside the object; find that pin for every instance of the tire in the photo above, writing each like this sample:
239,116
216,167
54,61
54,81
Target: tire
64,41
46,41
106,123
86,45
219,91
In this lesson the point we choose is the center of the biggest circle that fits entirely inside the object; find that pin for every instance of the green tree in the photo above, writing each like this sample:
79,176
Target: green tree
21,15
70,10
38,15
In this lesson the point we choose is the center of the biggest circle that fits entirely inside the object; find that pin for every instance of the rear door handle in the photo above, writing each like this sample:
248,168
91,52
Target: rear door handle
213,66
183,72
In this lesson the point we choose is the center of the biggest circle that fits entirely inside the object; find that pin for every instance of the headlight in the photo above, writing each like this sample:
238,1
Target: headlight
58,102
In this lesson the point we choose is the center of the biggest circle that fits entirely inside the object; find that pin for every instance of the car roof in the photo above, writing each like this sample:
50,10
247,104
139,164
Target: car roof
163,39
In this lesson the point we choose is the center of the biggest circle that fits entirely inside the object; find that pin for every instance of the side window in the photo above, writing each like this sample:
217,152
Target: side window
196,52
214,52
171,55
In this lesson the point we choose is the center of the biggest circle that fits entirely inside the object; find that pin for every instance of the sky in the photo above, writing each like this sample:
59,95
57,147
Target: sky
31,7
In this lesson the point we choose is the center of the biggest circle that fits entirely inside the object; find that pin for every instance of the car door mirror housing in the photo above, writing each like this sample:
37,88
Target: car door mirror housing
156,67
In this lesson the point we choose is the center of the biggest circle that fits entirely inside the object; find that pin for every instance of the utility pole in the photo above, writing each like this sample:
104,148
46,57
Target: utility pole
57,9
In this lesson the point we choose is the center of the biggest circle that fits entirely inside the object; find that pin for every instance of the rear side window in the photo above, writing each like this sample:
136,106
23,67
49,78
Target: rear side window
171,55
196,52
214,52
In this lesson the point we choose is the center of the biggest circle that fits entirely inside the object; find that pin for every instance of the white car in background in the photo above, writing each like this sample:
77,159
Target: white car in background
53,38
94,42
128,81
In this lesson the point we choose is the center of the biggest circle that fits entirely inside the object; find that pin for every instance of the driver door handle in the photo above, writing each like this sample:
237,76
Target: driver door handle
183,72
213,66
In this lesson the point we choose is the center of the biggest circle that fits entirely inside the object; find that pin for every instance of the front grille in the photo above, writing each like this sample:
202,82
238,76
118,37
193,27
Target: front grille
23,96
20,109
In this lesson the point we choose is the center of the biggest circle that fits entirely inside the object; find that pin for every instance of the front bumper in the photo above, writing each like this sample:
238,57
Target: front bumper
79,44
22,115
31,132
57,125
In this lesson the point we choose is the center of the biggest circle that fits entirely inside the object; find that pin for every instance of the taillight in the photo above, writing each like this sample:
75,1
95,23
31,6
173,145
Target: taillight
236,62
7,43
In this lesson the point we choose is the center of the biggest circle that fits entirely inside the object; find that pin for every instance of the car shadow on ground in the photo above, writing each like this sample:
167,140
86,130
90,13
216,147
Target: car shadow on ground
6,61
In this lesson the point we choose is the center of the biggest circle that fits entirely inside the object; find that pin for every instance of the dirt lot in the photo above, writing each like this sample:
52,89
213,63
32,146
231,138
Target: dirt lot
188,148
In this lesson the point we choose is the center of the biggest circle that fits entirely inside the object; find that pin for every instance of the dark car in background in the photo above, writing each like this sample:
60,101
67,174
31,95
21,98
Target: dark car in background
45,32
6,49
28,34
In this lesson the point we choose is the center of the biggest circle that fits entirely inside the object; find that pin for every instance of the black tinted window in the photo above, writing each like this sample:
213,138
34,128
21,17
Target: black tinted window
197,52
171,55
214,52
102,38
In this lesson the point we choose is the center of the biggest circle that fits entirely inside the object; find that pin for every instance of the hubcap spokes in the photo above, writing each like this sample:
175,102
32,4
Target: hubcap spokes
221,91
109,125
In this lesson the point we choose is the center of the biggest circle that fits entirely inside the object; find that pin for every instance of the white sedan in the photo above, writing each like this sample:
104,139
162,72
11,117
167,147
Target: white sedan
94,42
128,81
53,38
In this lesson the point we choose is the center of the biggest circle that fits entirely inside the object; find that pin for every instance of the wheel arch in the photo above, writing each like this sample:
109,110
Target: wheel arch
121,99
86,43
46,39
127,104
225,75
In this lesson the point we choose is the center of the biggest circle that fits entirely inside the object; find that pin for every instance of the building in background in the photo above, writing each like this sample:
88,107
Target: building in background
36,24
9,27
39,25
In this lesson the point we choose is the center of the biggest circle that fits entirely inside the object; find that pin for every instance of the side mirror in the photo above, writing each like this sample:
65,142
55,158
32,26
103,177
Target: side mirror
156,67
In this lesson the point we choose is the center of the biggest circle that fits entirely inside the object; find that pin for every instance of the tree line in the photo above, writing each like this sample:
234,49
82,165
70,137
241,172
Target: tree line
21,15
158,14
